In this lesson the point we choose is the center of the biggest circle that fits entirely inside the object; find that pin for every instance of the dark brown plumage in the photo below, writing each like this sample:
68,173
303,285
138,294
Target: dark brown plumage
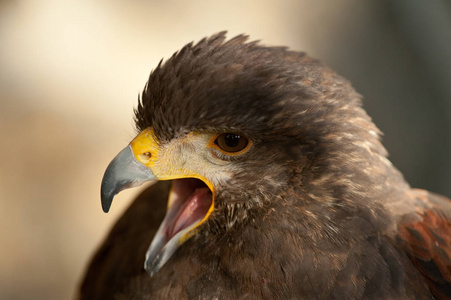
313,209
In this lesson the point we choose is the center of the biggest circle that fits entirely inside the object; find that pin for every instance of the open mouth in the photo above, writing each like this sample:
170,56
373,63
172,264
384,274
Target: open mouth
189,205
189,202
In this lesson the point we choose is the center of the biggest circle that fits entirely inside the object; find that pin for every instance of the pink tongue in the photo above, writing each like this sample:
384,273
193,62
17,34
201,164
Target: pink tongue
194,209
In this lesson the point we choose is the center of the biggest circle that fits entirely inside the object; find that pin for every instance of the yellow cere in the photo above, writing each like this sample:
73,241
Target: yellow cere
145,147
165,166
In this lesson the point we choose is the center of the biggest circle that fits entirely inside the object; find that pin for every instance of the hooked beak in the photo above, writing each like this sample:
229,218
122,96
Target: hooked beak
190,200
123,172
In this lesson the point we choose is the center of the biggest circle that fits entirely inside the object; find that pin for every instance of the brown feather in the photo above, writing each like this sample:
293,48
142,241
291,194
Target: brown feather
119,261
427,241
314,208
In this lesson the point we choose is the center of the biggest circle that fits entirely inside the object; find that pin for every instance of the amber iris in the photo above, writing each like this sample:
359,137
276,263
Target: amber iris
231,142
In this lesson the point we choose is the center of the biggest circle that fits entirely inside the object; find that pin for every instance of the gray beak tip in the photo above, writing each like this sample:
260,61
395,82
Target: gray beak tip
106,204
107,191
151,268
123,172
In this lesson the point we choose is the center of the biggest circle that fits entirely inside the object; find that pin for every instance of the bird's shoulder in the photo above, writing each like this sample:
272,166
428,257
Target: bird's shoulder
424,233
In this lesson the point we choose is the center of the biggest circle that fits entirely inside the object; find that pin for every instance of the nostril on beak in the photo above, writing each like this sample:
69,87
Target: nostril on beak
145,157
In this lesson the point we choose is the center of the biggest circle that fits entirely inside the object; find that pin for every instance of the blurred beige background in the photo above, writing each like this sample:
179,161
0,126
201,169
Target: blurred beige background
71,71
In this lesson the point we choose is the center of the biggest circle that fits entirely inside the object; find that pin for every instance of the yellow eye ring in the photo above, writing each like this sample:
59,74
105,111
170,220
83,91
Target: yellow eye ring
231,143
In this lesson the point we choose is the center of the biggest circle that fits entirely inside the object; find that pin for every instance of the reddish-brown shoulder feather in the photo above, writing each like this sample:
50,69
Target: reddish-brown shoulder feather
427,240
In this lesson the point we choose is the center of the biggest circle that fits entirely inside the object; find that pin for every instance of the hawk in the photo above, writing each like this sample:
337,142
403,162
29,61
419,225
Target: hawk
272,183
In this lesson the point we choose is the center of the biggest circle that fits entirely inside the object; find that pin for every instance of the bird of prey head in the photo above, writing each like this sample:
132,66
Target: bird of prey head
240,129
266,148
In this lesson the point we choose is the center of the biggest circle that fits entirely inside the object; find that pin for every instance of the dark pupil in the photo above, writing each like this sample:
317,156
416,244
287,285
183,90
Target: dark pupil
231,140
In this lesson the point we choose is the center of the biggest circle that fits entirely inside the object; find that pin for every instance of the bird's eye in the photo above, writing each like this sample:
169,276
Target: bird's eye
231,142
